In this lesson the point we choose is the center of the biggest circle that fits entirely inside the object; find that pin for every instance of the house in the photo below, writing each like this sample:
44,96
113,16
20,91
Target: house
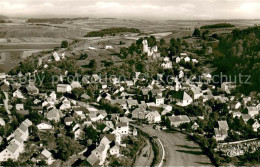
178,120
114,150
227,86
69,120
2,75
159,100
167,109
54,115
2,122
44,126
85,96
122,128
46,156
19,107
108,47
75,84
138,113
181,97
77,131
196,92
256,126
56,56
101,150
153,117
18,94
187,59
12,151
93,160
221,133
246,117
32,89
178,59
131,103
253,111
63,88
181,74
16,145
195,126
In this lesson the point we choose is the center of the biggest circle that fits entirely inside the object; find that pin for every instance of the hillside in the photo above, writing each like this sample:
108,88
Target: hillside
241,50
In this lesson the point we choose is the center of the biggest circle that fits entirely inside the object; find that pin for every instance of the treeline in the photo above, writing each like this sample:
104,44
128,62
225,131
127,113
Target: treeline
220,25
54,20
5,21
241,55
111,31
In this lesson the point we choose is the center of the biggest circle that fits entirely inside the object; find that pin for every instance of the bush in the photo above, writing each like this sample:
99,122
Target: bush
64,44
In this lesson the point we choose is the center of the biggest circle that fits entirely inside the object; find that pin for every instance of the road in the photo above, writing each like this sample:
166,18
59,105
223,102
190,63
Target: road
6,103
179,150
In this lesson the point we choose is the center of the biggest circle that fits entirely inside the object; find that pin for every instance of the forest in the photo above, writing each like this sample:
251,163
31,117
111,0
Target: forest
241,55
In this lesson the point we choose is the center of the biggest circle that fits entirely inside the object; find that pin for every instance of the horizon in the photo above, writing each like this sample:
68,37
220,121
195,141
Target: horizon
134,9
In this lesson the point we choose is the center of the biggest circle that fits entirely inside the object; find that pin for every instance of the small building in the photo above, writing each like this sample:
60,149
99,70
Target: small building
178,120
46,156
63,88
114,150
153,117
44,126
122,128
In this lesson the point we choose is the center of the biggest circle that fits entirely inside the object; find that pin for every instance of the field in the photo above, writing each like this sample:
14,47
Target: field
19,39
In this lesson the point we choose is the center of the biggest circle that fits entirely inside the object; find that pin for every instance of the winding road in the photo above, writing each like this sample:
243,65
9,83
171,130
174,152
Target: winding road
180,151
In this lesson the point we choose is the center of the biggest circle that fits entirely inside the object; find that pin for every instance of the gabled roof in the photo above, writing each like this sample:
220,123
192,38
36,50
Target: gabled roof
93,159
13,147
181,95
223,125
132,102
46,153
121,124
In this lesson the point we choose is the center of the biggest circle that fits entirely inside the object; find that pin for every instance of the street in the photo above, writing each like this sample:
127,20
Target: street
179,150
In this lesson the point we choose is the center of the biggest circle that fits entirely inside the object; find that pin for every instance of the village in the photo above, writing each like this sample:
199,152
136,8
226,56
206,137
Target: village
94,116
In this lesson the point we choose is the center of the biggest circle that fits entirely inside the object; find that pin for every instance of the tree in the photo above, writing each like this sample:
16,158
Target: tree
64,44
90,133
196,32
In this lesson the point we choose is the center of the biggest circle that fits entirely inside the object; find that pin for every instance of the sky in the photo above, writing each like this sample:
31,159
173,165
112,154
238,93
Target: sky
139,9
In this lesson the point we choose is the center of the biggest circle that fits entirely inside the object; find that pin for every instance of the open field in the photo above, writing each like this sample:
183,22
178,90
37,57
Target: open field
19,39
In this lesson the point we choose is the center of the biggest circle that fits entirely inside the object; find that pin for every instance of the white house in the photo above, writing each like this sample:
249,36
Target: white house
187,59
222,132
45,156
56,56
159,100
253,111
256,126
109,47
63,88
101,151
122,128
153,117
44,126
114,150
18,94
2,122
16,145
178,59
